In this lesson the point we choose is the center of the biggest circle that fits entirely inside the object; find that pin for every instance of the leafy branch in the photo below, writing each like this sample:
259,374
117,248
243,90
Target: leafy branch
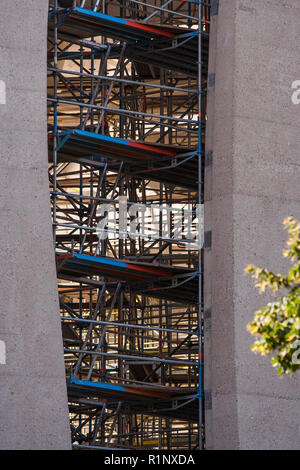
277,325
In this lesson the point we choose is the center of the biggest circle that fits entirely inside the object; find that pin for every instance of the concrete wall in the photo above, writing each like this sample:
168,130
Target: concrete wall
251,186
33,399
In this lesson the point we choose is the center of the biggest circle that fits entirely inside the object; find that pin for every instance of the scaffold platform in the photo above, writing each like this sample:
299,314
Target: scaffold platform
155,161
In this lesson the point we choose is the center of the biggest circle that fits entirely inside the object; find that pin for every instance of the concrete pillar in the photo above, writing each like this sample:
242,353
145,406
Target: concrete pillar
33,398
252,185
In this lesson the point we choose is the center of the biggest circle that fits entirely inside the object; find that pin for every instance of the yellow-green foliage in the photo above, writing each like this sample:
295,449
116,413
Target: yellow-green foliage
277,325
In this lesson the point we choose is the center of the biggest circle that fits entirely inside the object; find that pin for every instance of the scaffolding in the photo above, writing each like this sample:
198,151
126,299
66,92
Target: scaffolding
127,83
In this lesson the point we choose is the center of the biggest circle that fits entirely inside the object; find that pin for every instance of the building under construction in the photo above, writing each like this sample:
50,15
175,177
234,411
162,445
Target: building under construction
171,152
126,125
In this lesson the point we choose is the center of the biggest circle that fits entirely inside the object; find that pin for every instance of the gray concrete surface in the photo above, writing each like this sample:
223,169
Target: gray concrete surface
252,185
33,399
